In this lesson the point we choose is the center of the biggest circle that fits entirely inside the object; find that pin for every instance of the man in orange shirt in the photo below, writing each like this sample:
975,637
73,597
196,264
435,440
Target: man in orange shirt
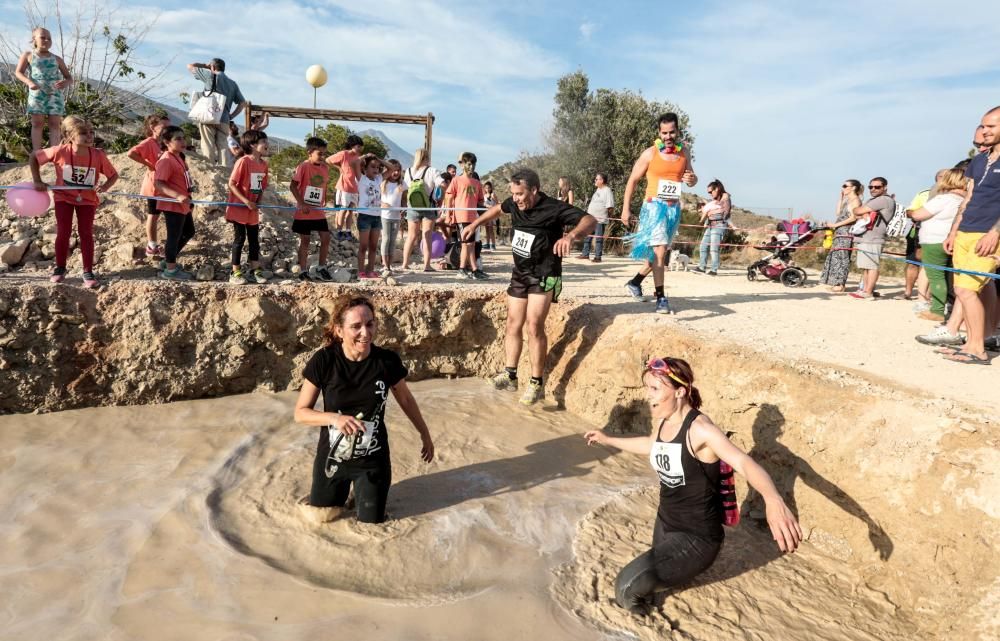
666,166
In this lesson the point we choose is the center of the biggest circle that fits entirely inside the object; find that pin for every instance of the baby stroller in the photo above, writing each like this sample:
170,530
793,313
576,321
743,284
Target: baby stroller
777,265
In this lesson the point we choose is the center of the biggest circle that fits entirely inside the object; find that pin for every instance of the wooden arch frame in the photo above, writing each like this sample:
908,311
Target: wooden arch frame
350,116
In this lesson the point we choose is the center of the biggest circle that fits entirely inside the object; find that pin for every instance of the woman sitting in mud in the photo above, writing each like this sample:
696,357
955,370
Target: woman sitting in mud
685,448
355,377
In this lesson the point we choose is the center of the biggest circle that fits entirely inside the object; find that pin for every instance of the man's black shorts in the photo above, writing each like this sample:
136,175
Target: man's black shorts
523,283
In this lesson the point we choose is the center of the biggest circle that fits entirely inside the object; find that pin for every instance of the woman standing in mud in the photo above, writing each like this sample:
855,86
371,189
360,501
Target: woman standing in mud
685,448
355,377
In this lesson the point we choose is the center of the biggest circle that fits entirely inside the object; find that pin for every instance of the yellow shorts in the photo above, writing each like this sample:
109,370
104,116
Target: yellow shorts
964,257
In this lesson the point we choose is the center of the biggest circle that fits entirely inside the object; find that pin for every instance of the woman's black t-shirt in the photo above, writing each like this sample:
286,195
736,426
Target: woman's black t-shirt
353,387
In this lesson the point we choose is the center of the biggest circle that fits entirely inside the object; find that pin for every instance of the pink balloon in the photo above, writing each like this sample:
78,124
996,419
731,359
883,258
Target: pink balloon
26,202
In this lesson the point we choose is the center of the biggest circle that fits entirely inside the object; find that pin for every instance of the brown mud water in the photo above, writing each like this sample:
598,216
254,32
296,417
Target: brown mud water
180,518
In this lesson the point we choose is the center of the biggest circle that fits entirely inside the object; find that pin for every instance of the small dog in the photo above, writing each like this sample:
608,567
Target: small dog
679,261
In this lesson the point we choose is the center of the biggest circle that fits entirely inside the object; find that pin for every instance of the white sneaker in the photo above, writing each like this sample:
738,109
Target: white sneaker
941,336
921,306
532,394
502,382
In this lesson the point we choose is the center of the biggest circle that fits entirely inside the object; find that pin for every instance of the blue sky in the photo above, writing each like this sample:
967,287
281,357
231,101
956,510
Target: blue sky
787,99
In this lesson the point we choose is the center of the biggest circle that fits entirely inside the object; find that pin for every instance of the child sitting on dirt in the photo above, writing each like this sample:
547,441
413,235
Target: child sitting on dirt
247,184
308,187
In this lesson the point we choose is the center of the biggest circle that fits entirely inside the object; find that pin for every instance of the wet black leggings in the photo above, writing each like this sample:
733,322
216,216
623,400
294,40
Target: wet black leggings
371,482
674,559
242,233
180,229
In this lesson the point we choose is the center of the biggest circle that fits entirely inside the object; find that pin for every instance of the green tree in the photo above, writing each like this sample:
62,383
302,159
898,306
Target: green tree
601,130
604,130
336,137
283,163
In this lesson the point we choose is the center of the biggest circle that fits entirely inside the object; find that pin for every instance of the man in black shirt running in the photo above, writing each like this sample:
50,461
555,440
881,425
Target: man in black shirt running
539,245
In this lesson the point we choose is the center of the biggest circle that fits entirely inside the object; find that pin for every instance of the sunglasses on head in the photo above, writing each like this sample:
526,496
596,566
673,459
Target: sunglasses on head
662,367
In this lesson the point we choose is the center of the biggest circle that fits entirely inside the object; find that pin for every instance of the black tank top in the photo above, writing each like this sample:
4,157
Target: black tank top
689,489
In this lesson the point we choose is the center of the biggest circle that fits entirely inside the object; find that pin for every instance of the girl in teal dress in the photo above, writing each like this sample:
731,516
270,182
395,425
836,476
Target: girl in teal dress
46,76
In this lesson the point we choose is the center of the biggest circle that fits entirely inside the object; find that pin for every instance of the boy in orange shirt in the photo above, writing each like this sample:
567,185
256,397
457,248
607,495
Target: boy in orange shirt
247,184
308,187
465,194
348,161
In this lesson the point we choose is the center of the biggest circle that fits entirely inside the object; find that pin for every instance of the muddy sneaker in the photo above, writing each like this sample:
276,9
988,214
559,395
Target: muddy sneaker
463,274
176,274
324,274
635,291
504,383
58,275
237,278
90,281
304,276
163,265
532,394
662,305
260,276
941,336
480,275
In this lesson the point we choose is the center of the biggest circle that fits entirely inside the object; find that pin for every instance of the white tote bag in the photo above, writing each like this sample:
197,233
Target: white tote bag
208,106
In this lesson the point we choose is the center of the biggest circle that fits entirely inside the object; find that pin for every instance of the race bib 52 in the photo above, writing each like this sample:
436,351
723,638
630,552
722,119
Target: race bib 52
85,176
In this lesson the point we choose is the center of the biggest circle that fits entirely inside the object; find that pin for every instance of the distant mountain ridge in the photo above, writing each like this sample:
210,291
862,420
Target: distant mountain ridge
395,151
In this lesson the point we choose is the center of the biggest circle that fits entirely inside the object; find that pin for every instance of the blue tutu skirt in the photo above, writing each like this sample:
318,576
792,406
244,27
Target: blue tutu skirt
658,222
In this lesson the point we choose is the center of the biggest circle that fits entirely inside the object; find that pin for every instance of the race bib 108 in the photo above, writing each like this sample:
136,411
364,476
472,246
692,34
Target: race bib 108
669,189
521,243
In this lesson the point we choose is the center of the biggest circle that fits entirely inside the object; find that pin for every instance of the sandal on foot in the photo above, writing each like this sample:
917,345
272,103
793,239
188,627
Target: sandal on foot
966,358
947,350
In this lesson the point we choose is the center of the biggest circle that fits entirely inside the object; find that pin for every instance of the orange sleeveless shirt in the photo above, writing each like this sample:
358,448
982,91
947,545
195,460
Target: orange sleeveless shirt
660,169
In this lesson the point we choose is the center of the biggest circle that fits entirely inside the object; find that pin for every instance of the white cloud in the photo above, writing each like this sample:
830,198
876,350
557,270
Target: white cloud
587,29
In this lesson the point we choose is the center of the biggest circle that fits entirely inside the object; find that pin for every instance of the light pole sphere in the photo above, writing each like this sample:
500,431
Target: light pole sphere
316,76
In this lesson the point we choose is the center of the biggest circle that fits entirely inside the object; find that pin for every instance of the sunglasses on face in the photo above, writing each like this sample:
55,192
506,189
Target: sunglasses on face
876,187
